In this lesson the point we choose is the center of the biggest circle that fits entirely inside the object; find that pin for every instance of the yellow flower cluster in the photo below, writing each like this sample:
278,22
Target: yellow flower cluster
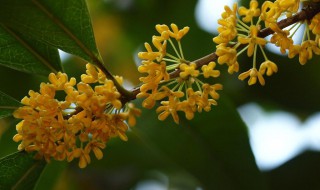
238,33
186,92
81,122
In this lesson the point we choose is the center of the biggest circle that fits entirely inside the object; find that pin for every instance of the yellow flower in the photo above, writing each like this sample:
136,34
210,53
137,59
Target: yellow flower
227,30
268,66
314,25
253,11
167,92
307,49
163,31
294,50
254,75
161,47
53,128
252,40
187,108
194,98
212,90
208,70
149,100
84,159
270,12
149,55
132,113
169,107
230,12
93,75
289,5
158,85
109,94
154,70
176,33
60,81
233,68
280,39
188,70
228,55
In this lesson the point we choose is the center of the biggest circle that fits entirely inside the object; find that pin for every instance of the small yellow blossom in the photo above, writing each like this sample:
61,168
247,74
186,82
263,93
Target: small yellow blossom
161,46
294,50
93,75
188,70
149,55
314,25
281,40
156,73
211,90
227,30
133,112
208,70
252,40
253,11
169,108
176,33
53,128
270,12
183,92
307,49
230,12
228,56
254,75
269,67
289,5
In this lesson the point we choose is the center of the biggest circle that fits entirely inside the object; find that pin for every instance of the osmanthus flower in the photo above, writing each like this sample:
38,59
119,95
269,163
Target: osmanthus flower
309,44
281,38
253,75
248,14
182,92
252,40
228,55
247,38
268,67
247,29
81,123
208,70
314,25
307,48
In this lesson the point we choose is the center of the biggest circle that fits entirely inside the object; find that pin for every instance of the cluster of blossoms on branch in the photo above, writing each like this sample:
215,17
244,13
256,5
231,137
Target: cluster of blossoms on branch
98,108
80,124
239,32
186,92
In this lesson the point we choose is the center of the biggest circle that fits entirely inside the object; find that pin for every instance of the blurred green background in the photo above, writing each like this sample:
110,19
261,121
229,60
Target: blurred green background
164,154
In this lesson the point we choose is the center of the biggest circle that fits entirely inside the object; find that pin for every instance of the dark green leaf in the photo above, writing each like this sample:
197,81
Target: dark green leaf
213,147
7,105
63,24
21,53
51,174
20,171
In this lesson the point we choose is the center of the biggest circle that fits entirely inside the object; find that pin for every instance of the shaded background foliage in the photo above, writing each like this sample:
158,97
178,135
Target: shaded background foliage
212,151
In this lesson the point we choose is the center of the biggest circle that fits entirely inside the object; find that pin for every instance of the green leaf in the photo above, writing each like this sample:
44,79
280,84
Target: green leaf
63,24
24,54
7,105
213,147
20,171
51,175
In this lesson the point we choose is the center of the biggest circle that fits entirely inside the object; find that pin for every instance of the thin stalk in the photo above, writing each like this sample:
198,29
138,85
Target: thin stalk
174,48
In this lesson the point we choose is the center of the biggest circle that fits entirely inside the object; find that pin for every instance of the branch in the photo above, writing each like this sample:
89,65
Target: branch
307,13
